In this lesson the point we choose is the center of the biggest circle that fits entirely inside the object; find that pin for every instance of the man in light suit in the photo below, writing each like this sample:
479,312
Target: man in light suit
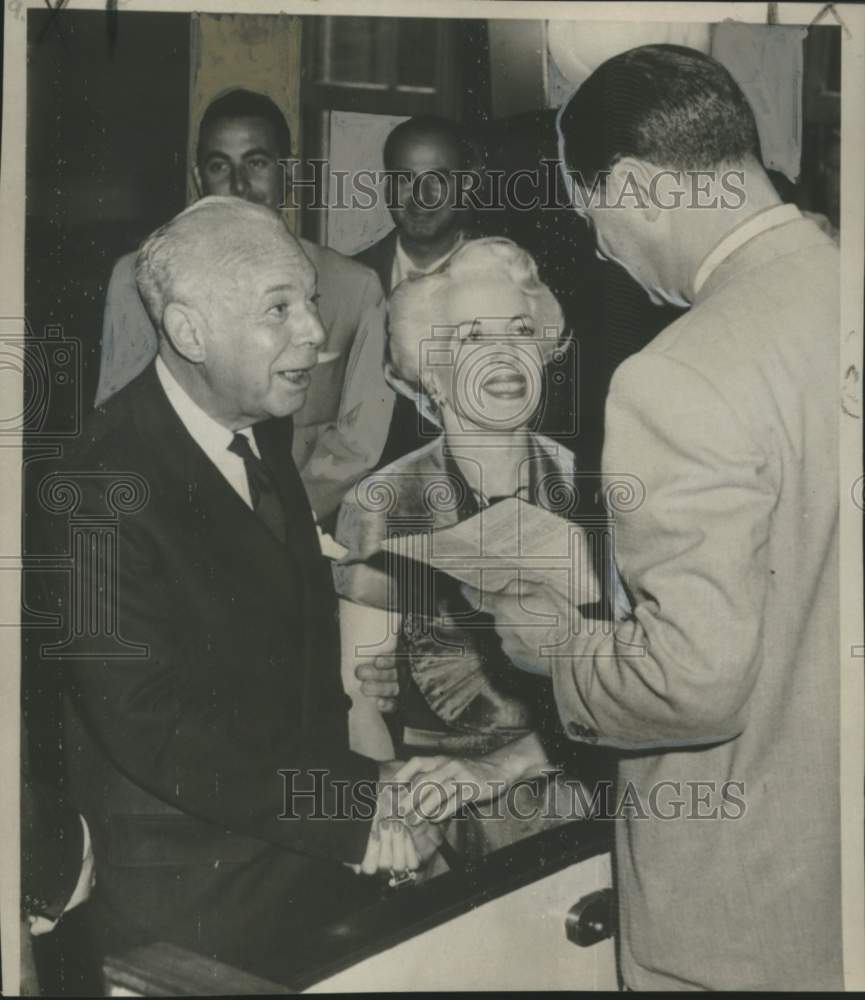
722,683
340,430
214,693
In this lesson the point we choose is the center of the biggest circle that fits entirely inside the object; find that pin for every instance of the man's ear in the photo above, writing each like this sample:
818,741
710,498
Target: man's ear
196,176
631,184
185,327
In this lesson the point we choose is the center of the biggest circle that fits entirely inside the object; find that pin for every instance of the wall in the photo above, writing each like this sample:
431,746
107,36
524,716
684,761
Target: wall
517,66
258,51
106,142
356,141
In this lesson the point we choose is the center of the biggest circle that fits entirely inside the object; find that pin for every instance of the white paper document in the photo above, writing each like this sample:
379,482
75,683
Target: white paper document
509,539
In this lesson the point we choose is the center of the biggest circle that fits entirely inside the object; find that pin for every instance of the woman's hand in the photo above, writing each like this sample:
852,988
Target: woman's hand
379,681
390,848
393,844
442,786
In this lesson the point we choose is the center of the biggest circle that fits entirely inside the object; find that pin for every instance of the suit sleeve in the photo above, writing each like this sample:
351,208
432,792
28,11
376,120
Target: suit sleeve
52,846
226,755
679,669
345,450
52,850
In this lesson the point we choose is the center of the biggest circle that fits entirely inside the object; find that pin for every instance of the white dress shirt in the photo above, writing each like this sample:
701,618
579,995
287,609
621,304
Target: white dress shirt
207,433
214,439
404,267
769,218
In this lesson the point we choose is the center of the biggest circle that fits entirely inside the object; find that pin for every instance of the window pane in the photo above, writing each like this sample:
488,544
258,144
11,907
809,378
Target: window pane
354,50
416,53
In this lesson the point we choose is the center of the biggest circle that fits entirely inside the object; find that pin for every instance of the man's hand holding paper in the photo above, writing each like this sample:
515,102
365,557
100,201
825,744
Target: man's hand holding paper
528,568
535,619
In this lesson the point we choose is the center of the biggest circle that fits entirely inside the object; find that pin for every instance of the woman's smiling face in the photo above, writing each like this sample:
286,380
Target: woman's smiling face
494,375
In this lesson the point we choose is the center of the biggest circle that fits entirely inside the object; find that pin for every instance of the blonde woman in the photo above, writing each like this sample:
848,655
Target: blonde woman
469,343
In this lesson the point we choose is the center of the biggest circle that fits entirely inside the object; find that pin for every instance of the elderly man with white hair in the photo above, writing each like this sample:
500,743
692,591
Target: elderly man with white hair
340,430
209,749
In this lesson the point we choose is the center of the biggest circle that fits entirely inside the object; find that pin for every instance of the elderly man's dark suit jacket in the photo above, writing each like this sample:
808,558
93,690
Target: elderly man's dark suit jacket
175,755
52,845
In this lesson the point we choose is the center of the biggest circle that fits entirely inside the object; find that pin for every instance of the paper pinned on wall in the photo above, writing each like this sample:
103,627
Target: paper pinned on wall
576,53
768,63
356,143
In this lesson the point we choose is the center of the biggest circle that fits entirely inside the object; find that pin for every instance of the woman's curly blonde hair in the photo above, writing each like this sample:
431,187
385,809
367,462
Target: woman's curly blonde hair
418,305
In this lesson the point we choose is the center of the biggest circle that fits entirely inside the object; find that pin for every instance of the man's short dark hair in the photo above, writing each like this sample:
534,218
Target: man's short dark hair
242,103
423,126
665,104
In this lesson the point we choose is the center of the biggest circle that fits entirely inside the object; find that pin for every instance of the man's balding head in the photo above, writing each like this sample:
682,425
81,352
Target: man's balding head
427,158
206,249
446,136
233,296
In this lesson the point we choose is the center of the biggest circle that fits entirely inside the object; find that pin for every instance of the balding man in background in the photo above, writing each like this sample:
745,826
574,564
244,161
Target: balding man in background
340,430
181,745
428,159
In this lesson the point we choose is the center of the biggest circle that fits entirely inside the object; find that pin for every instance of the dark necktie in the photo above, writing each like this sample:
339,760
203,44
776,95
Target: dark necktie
262,489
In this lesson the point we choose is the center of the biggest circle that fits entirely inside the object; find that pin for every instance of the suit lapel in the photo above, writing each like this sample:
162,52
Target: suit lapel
223,534
380,258
217,514
388,252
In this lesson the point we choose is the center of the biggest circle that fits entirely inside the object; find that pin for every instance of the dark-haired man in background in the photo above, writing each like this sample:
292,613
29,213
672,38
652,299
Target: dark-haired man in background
428,159
340,431
723,682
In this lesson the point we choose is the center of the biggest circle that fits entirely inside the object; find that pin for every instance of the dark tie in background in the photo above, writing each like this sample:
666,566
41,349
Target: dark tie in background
262,488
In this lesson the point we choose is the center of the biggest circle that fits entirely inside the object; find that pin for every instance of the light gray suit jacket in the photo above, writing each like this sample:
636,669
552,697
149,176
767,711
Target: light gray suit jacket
728,669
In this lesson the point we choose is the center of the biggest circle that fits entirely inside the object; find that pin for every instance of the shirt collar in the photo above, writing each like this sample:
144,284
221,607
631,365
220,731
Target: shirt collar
208,434
769,218
404,266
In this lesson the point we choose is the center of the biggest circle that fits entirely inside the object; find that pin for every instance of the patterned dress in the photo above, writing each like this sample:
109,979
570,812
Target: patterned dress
459,693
